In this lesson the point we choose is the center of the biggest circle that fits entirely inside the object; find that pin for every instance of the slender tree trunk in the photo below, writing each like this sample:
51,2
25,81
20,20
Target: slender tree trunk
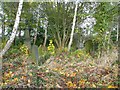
45,34
19,35
45,39
35,36
36,31
64,35
56,41
73,27
64,27
59,38
14,31
1,8
3,21
3,28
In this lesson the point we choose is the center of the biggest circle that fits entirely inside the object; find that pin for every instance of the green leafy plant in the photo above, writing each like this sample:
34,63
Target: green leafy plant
80,54
43,54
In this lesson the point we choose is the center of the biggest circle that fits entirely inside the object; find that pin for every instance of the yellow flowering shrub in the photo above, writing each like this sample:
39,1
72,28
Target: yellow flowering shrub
24,49
3,84
111,86
15,79
82,81
8,75
70,84
51,47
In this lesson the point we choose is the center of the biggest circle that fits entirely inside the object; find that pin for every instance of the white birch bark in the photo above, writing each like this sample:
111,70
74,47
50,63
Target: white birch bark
14,31
36,30
73,27
1,22
45,39
45,34
1,12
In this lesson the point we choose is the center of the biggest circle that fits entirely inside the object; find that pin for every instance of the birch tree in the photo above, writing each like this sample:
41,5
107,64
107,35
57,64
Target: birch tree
73,26
36,31
45,34
1,14
2,22
14,31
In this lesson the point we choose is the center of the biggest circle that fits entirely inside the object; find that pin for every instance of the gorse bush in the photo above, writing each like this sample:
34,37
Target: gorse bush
24,49
51,48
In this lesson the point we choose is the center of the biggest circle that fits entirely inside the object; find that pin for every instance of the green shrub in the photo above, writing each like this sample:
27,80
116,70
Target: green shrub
80,54
43,54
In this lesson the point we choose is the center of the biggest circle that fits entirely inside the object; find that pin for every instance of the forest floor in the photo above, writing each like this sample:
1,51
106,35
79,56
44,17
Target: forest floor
62,71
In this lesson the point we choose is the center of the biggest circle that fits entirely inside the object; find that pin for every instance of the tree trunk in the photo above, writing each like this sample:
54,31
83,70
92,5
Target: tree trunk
45,39
45,34
14,31
19,35
3,29
73,27
64,27
2,21
1,8
36,29
35,36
